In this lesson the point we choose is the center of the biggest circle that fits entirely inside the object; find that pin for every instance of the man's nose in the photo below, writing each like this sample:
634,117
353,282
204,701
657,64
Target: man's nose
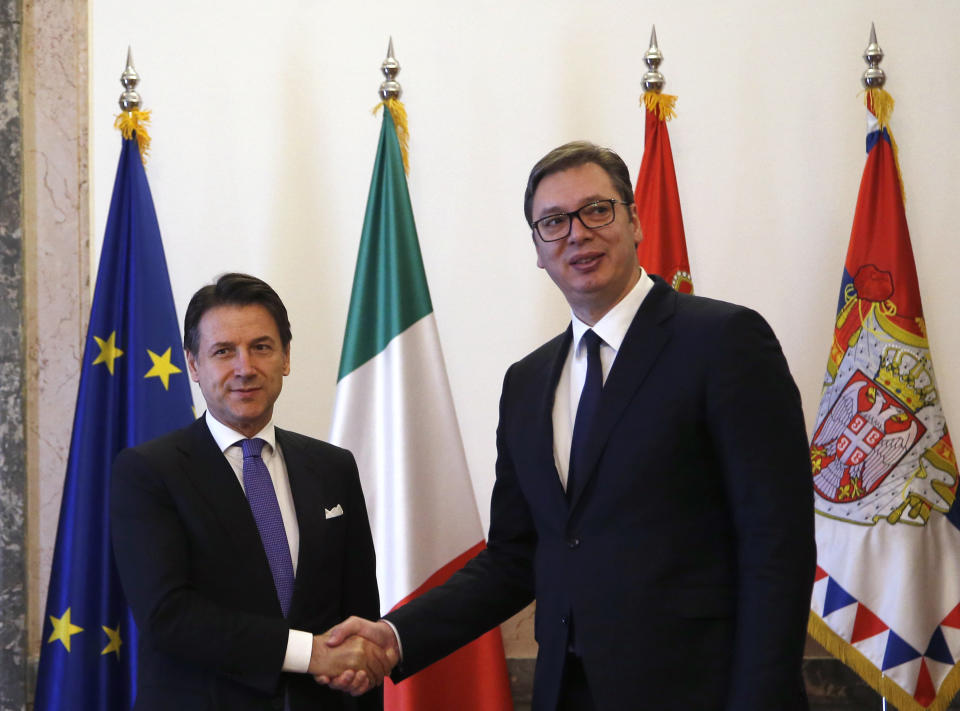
242,364
578,230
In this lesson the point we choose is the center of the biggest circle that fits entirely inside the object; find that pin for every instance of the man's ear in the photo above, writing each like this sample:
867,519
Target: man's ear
192,365
637,231
536,247
286,360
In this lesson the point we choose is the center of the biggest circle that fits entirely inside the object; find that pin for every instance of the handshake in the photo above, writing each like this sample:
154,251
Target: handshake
354,656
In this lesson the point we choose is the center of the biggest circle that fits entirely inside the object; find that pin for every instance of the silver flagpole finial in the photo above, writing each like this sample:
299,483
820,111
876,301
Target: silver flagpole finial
390,88
129,99
874,77
652,79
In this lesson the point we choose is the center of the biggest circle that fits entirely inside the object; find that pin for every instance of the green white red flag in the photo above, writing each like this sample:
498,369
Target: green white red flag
395,412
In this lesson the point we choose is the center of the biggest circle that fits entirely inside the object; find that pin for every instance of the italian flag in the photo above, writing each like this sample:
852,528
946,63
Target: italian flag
394,411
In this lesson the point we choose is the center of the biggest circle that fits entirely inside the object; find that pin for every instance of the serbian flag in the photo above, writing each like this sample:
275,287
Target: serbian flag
887,595
663,249
395,412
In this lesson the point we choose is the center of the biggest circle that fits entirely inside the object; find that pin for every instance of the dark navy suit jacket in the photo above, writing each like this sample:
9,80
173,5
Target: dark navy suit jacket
686,560
212,636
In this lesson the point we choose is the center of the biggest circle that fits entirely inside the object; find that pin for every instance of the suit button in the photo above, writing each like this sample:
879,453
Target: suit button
563,620
573,543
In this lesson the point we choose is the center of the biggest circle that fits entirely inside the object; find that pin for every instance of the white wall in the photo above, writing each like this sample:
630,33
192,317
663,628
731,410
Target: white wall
264,146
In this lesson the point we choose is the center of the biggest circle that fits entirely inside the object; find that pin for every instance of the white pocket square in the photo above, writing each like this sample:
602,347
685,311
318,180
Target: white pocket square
334,512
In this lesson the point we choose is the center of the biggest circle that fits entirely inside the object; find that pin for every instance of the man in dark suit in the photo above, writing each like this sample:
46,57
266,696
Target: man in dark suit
238,542
653,489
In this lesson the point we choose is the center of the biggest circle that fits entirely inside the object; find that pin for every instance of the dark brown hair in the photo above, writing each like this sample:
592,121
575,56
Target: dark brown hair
233,290
572,155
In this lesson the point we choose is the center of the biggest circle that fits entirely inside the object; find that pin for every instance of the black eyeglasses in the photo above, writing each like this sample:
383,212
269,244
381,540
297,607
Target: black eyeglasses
593,215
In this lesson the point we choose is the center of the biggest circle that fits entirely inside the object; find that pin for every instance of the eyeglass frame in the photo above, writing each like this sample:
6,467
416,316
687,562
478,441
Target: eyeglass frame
576,213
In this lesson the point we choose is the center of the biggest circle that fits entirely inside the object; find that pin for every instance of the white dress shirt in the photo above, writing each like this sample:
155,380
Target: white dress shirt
612,329
299,643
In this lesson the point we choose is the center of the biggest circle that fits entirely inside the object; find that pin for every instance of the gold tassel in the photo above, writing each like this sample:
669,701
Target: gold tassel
135,122
661,104
399,115
880,103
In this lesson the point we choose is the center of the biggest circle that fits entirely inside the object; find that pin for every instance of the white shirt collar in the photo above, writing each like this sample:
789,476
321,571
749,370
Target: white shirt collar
612,328
226,437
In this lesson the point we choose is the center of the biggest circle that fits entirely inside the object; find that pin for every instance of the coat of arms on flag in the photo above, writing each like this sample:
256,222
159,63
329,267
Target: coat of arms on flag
886,599
881,448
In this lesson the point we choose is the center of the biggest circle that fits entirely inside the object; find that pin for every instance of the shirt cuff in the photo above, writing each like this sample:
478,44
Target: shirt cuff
397,635
299,649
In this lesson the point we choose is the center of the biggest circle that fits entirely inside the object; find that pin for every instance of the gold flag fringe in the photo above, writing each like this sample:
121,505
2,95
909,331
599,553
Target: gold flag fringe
880,683
661,104
399,115
132,123
880,103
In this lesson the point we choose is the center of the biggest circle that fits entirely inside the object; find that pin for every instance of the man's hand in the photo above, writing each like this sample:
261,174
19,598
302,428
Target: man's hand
360,663
355,681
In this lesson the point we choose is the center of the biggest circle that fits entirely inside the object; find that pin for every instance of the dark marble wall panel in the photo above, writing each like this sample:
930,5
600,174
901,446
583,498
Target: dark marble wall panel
13,661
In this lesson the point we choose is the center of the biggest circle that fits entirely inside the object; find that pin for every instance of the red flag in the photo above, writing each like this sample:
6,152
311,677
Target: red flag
884,468
663,249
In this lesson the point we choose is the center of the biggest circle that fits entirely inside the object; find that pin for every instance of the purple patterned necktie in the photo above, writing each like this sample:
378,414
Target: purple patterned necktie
266,512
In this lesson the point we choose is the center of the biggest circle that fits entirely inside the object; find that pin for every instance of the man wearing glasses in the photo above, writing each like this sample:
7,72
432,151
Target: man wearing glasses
653,488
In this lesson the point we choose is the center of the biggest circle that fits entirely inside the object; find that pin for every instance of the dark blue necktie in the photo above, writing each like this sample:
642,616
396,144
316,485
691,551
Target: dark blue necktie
589,401
266,512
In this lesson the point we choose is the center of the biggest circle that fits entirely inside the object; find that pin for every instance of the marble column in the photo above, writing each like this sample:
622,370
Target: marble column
13,608
57,262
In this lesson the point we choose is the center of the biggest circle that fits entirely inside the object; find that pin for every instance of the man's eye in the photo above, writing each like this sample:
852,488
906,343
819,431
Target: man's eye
597,209
553,221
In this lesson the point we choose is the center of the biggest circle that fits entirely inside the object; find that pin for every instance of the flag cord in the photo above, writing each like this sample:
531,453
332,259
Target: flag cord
880,104
131,123
399,114
660,104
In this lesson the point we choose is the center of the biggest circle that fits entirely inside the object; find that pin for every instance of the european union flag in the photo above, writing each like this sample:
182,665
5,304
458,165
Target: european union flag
133,387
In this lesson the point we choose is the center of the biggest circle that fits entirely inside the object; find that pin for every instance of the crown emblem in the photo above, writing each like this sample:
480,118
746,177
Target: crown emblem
907,377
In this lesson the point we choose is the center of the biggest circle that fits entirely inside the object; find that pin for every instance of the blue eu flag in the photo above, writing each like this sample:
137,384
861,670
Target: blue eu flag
133,387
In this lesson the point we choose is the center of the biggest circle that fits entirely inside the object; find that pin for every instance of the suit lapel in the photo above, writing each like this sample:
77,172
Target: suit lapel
307,495
215,480
645,339
544,438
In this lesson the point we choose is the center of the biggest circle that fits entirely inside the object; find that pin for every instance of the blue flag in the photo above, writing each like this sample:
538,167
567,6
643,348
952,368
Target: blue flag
133,387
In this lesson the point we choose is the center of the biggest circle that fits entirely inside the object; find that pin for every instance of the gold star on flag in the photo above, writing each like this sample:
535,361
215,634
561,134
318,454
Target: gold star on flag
115,641
108,351
162,368
63,629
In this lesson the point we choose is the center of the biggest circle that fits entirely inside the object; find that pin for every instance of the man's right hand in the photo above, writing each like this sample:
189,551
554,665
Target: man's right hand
359,663
378,634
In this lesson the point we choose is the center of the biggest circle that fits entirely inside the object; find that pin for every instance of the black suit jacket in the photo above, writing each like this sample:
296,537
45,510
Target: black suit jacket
685,561
211,632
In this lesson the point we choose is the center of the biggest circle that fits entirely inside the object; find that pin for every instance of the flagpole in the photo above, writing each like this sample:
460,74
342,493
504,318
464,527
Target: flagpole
652,80
129,99
874,78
